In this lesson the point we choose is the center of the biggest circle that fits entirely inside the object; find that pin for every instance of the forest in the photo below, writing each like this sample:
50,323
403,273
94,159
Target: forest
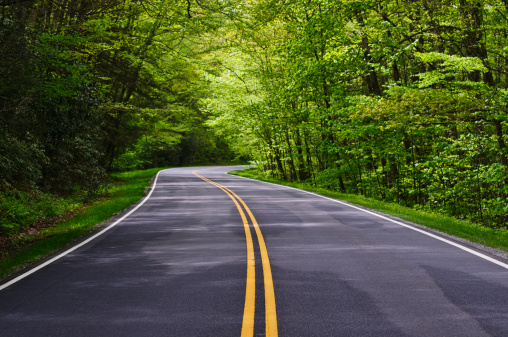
402,101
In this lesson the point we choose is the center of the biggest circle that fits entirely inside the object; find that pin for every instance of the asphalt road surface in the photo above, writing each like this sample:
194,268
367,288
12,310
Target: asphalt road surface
181,265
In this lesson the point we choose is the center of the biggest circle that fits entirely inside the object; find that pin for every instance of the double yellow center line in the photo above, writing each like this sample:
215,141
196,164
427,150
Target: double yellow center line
248,312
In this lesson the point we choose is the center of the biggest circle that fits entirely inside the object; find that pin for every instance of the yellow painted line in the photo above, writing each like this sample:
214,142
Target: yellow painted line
270,309
250,292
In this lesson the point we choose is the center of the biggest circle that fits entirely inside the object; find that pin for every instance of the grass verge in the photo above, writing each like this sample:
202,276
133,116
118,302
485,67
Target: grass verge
126,189
495,238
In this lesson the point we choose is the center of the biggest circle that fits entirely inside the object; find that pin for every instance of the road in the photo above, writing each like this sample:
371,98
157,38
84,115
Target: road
181,265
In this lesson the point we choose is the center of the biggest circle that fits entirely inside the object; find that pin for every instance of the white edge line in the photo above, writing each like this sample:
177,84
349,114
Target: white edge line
483,256
31,271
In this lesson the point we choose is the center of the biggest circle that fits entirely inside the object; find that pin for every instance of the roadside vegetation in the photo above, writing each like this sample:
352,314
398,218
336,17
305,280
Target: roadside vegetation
403,101
94,87
490,237
46,224
400,101
89,89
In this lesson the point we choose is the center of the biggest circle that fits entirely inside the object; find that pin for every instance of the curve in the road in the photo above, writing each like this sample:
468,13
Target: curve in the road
177,266
250,291
270,309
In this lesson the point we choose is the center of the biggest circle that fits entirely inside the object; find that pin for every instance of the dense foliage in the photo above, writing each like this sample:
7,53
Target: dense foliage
404,101
88,87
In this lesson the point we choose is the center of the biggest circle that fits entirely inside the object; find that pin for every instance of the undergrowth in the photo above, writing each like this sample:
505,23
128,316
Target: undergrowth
25,240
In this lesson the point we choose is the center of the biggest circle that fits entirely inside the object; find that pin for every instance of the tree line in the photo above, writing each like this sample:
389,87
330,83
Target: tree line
404,101
88,87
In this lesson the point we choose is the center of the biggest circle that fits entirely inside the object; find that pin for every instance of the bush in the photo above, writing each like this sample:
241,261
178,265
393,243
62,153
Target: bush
19,210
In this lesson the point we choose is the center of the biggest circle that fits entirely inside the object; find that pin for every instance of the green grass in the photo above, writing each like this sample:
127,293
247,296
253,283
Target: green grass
127,188
495,238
